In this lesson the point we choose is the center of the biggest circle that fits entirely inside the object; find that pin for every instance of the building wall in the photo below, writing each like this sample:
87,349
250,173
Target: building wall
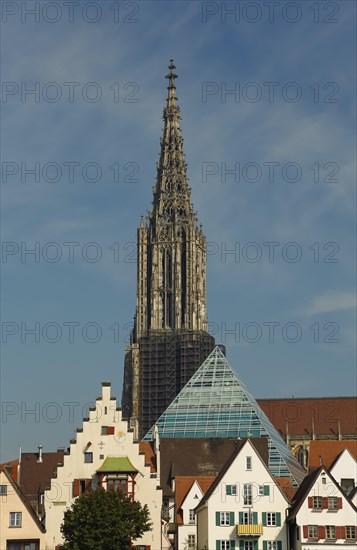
308,516
29,530
219,501
60,496
188,527
345,468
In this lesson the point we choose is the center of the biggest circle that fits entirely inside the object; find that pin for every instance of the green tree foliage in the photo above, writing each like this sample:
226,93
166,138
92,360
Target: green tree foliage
104,520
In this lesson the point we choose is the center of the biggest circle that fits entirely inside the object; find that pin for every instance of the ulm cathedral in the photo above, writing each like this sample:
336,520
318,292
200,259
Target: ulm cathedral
169,340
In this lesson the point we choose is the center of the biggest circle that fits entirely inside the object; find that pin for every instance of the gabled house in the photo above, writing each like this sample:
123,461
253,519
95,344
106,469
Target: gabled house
321,515
20,528
105,455
244,508
344,470
189,491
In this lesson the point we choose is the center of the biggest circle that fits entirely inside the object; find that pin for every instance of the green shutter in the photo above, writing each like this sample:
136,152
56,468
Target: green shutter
218,545
266,490
240,517
255,545
231,518
255,518
218,518
265,545
280,545
228,489
278,519
241,545
233,544
264,515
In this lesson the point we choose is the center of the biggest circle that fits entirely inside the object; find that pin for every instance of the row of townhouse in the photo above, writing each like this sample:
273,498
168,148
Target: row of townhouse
202,494
246,508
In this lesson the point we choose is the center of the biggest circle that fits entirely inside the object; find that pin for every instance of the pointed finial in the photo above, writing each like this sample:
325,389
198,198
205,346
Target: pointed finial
171,87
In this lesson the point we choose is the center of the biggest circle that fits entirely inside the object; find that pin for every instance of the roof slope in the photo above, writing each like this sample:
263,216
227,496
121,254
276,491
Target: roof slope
329,414
328,451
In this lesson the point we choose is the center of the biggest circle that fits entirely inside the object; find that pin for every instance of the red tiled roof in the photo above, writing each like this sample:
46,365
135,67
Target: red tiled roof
299,412
285,484
328,451
147,447
182,486
11,466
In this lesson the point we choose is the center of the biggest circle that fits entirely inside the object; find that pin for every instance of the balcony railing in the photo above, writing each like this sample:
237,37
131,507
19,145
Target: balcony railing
250,529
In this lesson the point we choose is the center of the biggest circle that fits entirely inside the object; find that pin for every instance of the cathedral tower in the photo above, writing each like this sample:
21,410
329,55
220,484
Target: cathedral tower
169,340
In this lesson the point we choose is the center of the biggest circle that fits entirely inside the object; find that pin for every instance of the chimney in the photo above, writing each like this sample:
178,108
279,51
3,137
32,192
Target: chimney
40,458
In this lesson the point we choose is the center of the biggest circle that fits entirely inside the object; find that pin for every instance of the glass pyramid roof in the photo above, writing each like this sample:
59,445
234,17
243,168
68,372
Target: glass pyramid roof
215,403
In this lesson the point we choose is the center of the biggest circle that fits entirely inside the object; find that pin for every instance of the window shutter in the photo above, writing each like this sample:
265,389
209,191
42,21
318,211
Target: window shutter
228,489
218,519
111,430
321,532
310,501
266,490
343,532
241,545
231,518
280,545
339,503
278,519
240,517
218,545
233,544
75,487
324,502
255,545
338,532
264,516
255,518
265,545
88,483
305,531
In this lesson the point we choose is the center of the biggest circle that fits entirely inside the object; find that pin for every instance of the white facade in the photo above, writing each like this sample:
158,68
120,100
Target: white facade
245,509
18,522
344,470
187,531
104,435
326,518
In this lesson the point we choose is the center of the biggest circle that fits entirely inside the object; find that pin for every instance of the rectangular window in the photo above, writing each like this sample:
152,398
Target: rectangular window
225,545
272,545
317,503
350,532
248,462
247,494
332,503
271,519
119,485
88,458
247,518
248,545
234,490
3,489
261,490
191,542
15,519
192,516
312,531
224,518
104,430
330,532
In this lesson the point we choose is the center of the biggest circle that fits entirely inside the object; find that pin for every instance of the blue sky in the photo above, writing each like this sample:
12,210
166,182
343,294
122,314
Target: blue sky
288,318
